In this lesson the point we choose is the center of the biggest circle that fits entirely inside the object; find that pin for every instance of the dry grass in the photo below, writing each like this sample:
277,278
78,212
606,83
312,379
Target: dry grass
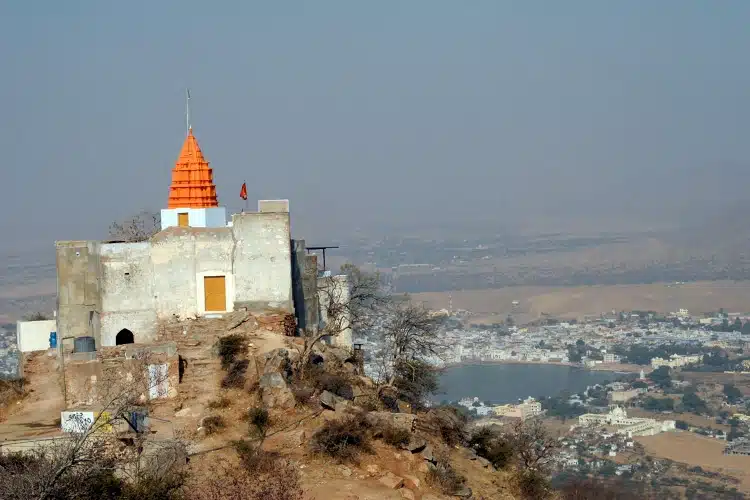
693,449
494,305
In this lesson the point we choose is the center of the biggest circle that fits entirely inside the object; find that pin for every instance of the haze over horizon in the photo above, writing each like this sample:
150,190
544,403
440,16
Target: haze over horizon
376,117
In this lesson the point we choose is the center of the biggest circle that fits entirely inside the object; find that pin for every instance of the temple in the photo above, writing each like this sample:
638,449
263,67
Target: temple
199,264
192,195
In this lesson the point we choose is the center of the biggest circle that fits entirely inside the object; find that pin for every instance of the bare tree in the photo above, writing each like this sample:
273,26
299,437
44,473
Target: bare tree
411,335
535,448
348,302
36,316
140,227
56,468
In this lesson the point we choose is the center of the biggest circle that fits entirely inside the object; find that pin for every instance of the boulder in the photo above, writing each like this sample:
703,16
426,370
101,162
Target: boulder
415,444
329,400
411,482
404,421
186,412
277,361
392,481
463,492
407,494
483,462
275,392
428,454
252,375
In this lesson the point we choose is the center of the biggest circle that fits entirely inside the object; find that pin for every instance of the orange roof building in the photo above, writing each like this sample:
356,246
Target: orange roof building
192,194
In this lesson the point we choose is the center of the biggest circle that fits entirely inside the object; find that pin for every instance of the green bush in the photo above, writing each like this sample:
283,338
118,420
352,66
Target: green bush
492,446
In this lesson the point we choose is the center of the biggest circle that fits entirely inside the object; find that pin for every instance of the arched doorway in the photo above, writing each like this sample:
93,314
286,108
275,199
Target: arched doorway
124,336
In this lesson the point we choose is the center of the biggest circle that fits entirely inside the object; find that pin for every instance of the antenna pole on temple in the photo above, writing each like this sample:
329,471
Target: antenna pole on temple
187,111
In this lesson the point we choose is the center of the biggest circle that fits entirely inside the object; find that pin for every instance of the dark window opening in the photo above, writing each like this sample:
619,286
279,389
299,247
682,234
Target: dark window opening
124,336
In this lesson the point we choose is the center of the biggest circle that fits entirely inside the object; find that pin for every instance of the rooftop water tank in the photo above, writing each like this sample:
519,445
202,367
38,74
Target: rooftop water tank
84,344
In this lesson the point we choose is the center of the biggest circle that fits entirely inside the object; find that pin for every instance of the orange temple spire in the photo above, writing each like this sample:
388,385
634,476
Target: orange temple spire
192,179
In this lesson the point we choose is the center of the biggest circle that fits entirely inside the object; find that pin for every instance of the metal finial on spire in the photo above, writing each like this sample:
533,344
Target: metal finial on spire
187,112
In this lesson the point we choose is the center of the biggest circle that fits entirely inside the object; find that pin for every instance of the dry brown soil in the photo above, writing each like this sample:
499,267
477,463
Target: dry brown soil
694,449
494,305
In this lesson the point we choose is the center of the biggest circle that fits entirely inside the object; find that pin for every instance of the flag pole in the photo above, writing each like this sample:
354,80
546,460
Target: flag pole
244,183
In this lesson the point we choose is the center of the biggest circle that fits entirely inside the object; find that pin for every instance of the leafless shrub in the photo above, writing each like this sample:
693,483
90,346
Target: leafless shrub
36,316
343,440
276,479
229,348
302,393
80,464
213,424
448,423
10,391
444,477
395,436
593,489
345,306
140,227
235,376
222,402
533,485
260,422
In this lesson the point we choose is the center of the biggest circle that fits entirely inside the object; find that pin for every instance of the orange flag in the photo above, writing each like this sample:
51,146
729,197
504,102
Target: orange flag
243,191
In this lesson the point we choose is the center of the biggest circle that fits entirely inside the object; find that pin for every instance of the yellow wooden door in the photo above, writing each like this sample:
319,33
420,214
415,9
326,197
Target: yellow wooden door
183,220
215,292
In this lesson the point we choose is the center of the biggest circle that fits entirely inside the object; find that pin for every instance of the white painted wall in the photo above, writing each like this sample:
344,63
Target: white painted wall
197,217
34,335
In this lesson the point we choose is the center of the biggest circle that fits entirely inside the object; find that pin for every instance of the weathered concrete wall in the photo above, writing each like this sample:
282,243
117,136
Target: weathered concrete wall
10,356
263,260
310,291
78,290
89,377
127,297
180,259
298,291
34,335
104,288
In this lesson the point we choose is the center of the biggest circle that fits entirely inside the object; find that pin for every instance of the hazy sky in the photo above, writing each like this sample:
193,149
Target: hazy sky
372,115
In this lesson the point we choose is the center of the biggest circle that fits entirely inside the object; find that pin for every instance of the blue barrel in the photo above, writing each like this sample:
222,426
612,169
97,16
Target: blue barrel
52,340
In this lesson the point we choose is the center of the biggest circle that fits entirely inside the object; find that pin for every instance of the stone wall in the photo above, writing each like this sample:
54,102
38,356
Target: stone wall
127,295
263,261
78,295
310,292
92,378
10,355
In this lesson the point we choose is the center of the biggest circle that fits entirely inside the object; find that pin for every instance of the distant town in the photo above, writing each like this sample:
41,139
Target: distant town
676,374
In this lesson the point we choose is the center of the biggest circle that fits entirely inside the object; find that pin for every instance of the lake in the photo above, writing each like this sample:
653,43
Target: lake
506,383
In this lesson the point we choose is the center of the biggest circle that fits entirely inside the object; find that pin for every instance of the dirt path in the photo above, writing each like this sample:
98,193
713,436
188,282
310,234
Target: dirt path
38,413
